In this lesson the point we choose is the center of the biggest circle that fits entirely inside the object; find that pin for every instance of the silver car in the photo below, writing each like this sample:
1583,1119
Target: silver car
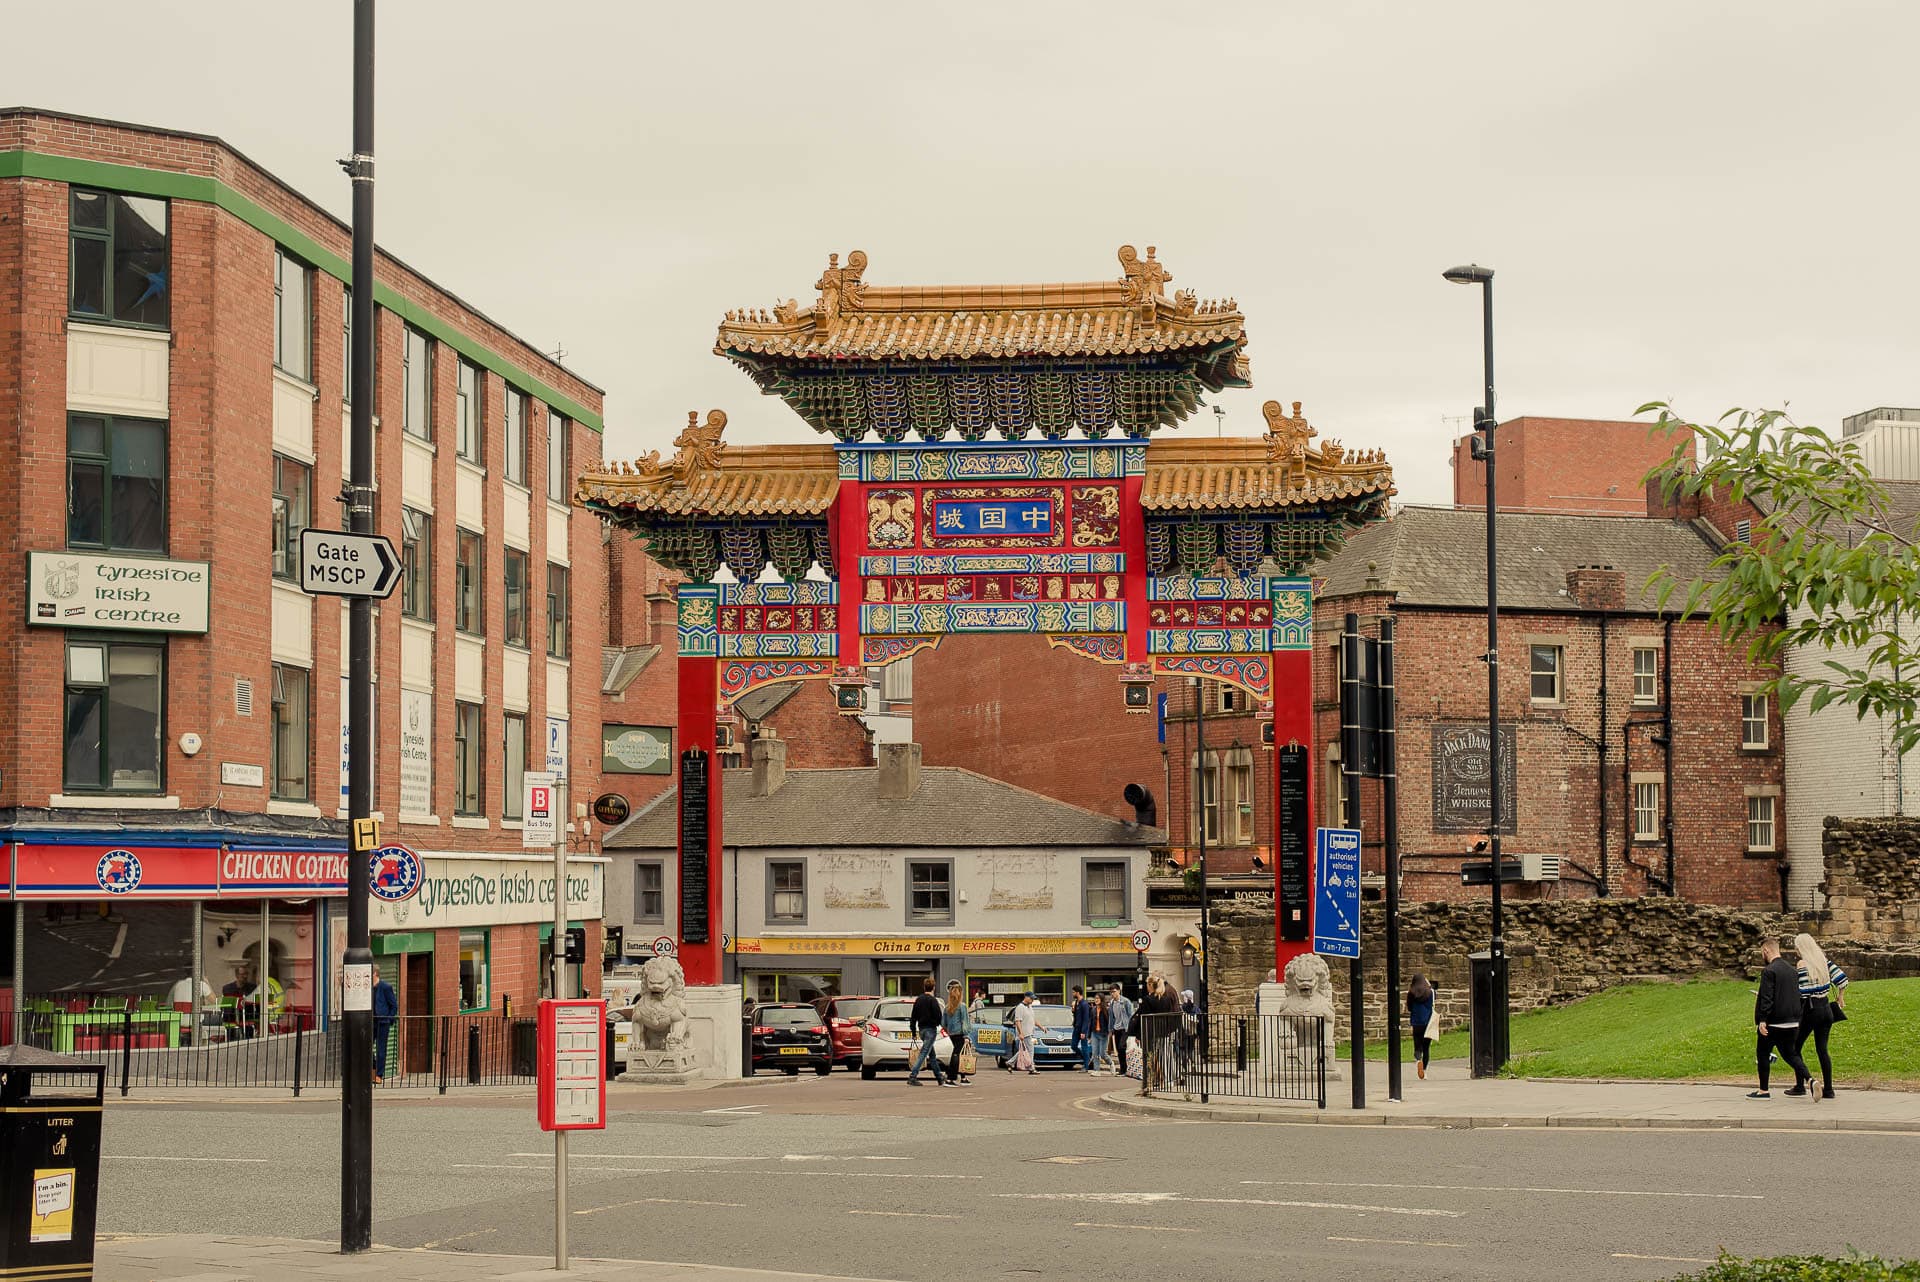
887,1039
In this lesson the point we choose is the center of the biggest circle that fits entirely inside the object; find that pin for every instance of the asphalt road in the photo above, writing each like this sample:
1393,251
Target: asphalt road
1017,1178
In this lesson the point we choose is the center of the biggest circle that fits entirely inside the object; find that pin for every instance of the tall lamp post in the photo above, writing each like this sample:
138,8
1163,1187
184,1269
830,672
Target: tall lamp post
1484,422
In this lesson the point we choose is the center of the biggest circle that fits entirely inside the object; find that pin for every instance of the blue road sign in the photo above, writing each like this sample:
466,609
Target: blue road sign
1336,900
1160,716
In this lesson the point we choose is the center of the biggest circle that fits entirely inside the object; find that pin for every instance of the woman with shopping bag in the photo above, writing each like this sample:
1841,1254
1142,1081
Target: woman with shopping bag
1424,1022
957,1020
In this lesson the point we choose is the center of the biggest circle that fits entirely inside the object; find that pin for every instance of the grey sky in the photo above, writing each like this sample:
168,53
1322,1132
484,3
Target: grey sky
1712,202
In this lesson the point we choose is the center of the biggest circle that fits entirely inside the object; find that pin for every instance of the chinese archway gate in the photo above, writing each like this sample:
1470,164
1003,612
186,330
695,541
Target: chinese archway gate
993,472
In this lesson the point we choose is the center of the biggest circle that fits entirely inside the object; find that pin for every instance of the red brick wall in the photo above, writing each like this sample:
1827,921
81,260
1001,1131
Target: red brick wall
1591,466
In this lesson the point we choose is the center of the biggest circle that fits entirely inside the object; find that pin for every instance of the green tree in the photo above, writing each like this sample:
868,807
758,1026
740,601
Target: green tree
1827,566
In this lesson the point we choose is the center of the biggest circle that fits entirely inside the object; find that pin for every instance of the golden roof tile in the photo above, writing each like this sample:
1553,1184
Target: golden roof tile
708,477
1280,469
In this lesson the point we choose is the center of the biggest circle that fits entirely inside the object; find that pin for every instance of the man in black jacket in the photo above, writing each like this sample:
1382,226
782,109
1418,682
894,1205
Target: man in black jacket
926,1023
1776,1016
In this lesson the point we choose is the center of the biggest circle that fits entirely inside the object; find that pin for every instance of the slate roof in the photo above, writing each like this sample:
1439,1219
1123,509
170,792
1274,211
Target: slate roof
621,665
953,807
1437,556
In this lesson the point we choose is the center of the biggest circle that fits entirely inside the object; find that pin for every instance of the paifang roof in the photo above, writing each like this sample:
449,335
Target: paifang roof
1437,556
1279,470
952,807
706,477
1133,316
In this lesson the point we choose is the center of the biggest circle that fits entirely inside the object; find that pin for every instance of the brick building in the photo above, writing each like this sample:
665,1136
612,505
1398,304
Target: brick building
1587,466
173,385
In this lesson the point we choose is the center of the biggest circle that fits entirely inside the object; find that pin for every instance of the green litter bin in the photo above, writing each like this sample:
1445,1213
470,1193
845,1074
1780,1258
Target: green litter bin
49,1163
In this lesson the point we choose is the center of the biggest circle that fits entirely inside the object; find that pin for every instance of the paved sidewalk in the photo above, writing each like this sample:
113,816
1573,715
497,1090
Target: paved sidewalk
204,1258
1449,1097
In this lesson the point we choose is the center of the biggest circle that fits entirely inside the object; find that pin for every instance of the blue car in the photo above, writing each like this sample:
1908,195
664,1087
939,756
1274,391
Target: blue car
1053,1036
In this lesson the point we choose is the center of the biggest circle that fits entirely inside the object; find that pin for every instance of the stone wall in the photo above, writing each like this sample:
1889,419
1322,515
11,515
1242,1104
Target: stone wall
1873,879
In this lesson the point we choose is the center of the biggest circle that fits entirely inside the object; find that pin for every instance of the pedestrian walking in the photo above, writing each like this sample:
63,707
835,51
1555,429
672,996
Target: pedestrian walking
958,1021
1420,1018
1120,1017
386,1009
1097,1033
926,1024
1776,1016
1157,1023
1082,1024
1823,995
1023,1035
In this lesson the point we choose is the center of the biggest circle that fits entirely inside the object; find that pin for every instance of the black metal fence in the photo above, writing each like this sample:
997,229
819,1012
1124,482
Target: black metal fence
151,1048
1279,1057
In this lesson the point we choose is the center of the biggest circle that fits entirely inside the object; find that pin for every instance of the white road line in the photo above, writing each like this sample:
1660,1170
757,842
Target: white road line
134,1157
653,1201
750,1110
598,1170
649,1157
860,1175
461,1237
1146,1228
1496,1188
1139,1199
907,1215
1399,1241
1671,1259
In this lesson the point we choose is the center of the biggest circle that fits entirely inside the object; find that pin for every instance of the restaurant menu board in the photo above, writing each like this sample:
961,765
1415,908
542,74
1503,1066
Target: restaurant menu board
1296,875
572,1052
694,888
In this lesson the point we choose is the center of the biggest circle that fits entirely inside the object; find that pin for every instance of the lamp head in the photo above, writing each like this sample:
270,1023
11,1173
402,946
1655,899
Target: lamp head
1473,274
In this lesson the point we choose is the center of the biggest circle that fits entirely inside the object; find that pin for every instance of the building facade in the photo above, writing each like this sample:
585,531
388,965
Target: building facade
173,412
1574,466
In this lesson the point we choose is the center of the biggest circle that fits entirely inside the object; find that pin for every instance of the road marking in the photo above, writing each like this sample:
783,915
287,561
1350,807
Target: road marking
1671,1259
1495,1188
1399,1241
907,1215
1148,1228
458,1237
650,1157
652,1201
861,1175
134,1157
1146,1199
750,1110
600,1170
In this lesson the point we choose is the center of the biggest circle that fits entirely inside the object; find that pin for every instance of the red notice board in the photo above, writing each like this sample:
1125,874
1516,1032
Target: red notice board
572,1050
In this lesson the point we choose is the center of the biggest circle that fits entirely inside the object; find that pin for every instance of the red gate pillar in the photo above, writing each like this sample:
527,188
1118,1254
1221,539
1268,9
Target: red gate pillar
699,700
1292,725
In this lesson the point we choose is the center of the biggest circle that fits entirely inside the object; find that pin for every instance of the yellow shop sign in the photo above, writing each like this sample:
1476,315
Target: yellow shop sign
935,946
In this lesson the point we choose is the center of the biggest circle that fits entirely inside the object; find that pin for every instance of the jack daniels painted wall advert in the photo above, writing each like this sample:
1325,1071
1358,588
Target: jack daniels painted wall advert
1460,778
695,891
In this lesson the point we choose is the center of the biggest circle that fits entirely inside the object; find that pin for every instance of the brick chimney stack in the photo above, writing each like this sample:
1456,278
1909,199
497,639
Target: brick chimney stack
899,770
1597,587
769,755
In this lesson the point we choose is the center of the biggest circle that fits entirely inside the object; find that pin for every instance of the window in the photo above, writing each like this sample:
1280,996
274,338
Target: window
469,562
787,890
1646,670
416,565
896,681
516,437
118,258
1228,699
1743,531
516,576
1103,892
116,483
557,622
649,892
416,411
475,954
1753,721
559,484
1237,823
292,509
1544,665
292,315
930,892
1760,823
511,804
469,766
1336,784
1646,812
469,429
112,735
291,733
1206,798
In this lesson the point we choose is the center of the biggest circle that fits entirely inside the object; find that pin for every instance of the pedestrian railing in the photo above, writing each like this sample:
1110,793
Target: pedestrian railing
1276,1057
154,1049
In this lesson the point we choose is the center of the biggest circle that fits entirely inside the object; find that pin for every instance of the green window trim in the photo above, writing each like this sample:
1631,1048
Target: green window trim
133,180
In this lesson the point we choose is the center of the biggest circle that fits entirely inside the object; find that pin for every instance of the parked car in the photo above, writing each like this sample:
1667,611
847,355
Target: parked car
789,1036
888,1041
844,1016
1052,1036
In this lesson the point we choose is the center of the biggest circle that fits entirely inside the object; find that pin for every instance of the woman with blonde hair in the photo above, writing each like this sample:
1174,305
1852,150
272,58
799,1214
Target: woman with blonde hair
1823,987
957,1020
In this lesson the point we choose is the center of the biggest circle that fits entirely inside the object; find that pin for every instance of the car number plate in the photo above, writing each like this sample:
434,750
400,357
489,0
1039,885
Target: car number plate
793,1050
903,1036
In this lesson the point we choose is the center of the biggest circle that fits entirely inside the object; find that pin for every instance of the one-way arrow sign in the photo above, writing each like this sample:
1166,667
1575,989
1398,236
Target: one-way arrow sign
334,563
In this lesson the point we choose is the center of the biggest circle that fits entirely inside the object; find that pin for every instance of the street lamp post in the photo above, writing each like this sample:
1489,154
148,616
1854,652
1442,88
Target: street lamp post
1484,422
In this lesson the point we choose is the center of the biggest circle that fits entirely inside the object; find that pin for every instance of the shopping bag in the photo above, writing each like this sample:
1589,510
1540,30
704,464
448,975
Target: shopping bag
1023,1059
969,1060
1136,1060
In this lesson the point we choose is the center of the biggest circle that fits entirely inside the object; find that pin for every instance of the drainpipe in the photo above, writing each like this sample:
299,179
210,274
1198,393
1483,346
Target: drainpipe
1666,716
1600,783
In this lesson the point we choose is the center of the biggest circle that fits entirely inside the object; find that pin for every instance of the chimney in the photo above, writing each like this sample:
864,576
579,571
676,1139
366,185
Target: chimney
769,754
1597,587
899,770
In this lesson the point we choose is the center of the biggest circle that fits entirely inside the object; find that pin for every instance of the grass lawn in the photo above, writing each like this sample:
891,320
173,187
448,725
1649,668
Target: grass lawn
1702,1029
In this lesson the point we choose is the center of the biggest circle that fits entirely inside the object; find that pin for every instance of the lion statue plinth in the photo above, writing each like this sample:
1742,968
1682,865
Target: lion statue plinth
1305,992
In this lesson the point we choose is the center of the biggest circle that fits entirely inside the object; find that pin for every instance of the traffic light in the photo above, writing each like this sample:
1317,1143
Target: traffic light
577,945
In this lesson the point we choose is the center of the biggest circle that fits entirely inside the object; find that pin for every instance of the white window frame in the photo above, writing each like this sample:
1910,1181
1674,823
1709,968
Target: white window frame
1650,697
1753,712
1647,807
1559,672
1763,811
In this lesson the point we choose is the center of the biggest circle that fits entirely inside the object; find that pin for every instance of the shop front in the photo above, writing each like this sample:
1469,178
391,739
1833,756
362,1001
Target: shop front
997,970
203,937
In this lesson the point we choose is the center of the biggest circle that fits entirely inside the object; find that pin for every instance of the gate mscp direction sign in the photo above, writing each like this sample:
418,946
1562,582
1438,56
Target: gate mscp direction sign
334,563
1336,900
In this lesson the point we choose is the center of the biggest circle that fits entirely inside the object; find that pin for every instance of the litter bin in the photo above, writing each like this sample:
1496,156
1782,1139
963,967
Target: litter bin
526,1048
49,1162
1489,1036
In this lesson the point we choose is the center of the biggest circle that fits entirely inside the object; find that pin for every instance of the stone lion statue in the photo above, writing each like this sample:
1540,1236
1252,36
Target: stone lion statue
659,1010
1308,994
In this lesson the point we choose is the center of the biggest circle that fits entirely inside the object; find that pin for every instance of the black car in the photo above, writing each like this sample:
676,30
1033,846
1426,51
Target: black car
790,1036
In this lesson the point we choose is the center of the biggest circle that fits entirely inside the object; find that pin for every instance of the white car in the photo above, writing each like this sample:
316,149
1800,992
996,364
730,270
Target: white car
887,1040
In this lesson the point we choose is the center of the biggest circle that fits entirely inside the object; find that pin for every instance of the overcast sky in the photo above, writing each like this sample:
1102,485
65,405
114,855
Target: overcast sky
1708,202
